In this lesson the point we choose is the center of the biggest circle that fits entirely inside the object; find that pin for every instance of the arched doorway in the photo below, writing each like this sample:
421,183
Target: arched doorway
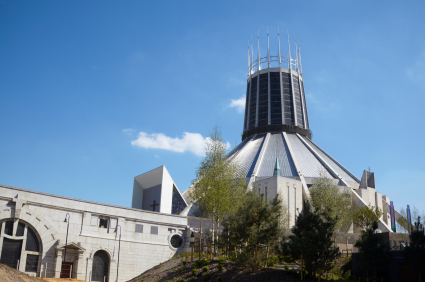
100,269
21,248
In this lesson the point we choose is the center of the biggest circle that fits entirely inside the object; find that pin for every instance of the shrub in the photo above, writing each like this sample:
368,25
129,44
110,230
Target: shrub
180,270
220,267
286,267
271,262
206,262
180,280
207,277
185,262
220,260
205,269
237,280
192,279
168,281
219,279
194,271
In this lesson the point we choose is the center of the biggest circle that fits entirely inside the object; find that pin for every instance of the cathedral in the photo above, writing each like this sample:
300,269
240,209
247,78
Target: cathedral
47,235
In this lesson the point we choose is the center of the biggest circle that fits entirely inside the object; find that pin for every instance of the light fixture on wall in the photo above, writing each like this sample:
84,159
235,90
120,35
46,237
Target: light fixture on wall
66,241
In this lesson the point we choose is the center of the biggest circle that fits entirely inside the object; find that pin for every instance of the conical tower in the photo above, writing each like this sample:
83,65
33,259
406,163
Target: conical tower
277,151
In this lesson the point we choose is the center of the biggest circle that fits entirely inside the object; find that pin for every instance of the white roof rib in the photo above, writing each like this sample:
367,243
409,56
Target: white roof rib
248,155
277,147
309,165
237,149
330,161
335,161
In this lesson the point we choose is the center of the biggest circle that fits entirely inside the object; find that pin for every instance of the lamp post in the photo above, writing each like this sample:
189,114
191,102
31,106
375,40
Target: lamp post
66,240
119,245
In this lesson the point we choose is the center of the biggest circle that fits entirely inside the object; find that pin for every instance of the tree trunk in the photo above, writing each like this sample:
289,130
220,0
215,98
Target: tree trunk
301,267
256,257
213,233
267,257
200,240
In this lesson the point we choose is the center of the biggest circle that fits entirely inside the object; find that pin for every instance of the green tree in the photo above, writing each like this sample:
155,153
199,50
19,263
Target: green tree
365,217
414,254
404,223
312,240
253,227
326,195
220,184
374,252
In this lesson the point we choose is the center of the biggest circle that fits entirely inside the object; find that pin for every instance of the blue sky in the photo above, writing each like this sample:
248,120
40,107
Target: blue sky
80,80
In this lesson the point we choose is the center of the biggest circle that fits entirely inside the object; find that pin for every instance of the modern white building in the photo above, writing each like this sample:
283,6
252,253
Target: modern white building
53,236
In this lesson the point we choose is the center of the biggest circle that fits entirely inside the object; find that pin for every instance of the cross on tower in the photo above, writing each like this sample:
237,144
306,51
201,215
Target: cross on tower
153,209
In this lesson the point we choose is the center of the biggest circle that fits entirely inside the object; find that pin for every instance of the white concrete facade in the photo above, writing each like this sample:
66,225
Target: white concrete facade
140,249
289,190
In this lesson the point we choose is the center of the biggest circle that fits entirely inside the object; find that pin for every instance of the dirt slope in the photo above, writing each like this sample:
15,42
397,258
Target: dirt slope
169,271
8,274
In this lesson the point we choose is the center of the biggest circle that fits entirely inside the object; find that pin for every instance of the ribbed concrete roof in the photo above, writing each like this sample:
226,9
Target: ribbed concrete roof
257,155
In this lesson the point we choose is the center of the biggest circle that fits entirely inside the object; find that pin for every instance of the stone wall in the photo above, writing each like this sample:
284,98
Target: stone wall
145,236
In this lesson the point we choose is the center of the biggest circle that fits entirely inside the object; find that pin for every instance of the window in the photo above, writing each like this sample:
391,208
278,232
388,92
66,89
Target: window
32,263
178,204
32,241
103,222
266,192
154,230
20,230
8,228
139,228
12,248
176,241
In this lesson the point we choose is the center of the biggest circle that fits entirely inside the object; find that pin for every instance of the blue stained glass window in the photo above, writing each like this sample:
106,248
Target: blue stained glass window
178,203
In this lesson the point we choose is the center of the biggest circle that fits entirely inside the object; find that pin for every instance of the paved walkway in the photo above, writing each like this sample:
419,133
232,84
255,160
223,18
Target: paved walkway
291,266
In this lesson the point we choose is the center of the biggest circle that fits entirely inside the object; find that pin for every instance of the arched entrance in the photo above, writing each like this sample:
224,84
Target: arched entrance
100,269
20,246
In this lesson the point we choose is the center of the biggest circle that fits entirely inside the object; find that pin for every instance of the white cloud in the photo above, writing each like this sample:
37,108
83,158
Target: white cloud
239,104
190,142
129,131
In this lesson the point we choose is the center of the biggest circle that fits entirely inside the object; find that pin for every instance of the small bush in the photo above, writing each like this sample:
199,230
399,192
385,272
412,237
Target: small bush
180,270
220,260
192,279
194,271
180,280
207,277
219,279
185,262
271,262
205,269
206,262
286,267
220,267
168,281
237,280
